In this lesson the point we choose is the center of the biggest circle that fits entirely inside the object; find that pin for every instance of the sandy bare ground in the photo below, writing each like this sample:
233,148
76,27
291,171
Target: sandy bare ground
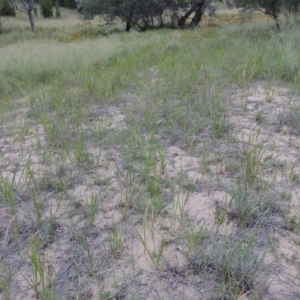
85,261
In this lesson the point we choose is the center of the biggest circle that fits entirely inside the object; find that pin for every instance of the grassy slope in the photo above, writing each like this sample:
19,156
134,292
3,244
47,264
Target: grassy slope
94,202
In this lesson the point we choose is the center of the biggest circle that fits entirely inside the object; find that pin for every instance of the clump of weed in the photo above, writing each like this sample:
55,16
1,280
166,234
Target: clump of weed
292,223
116,242
250,207
293,176
49,229
252,158
196,237
259,117
54,184
231,263
6,278
286,196
42,277
91,209
232,167
290,118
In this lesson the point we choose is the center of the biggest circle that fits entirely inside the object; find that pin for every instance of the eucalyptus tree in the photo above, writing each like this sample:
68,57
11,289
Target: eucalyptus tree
198,8
147,14
27,7
141,14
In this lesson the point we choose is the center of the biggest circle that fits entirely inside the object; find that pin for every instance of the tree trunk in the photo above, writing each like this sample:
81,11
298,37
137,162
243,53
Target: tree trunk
183,19
277,22
128,26
199,7
28,6
174,19
79,6
228,4
198,14
278,26
31,19
129,21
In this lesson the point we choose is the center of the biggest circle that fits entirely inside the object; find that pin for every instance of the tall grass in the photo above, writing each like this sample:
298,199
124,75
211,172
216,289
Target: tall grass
180,58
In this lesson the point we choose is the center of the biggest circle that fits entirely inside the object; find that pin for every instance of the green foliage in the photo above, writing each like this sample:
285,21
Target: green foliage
6,278
6,9
272,8
46,8
67,3
140,14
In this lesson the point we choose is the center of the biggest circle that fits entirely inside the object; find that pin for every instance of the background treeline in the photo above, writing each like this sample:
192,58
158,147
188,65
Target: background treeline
62,3
147,14
67,3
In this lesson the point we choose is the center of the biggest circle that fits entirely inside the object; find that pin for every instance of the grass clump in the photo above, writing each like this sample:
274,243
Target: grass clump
230,265
253,208
290,118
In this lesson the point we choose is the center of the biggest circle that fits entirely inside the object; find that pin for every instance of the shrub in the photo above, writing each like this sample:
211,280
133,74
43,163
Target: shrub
6,9
46,8
67,3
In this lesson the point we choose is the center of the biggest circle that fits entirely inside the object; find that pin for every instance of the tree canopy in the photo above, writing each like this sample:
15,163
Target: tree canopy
146,14
272,8
6,9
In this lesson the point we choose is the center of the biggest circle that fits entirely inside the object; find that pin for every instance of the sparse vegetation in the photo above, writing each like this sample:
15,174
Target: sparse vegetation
161,164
